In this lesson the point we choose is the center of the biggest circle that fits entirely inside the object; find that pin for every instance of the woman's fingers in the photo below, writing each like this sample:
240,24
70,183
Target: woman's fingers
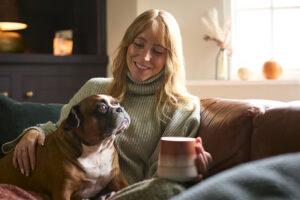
15,155
25,161
41,139
201,163
209,159
203,159
25,152
31,156
19,160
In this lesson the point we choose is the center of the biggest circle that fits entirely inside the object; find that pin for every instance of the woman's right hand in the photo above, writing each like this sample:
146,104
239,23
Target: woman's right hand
24,154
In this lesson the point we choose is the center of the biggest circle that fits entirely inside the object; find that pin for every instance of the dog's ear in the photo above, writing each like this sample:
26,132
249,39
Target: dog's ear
73,119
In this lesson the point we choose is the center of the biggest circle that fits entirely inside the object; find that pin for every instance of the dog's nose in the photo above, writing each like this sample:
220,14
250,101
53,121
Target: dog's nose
119,109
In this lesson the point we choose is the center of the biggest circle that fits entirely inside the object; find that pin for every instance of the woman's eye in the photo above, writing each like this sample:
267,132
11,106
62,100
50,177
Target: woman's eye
138,45
157,52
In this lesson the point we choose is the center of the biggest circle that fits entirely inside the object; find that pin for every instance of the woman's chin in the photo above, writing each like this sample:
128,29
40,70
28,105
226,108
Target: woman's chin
139,77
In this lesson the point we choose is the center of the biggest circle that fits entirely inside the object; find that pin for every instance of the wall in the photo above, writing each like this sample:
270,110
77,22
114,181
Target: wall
273,89
199,55
120,14
188,13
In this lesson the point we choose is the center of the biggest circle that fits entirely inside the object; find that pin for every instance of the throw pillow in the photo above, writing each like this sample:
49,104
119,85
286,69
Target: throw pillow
16,116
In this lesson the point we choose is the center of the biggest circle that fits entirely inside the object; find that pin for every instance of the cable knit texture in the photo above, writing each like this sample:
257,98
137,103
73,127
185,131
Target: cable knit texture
138,146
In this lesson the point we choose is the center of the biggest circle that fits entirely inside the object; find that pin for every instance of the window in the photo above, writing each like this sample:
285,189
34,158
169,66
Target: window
265,30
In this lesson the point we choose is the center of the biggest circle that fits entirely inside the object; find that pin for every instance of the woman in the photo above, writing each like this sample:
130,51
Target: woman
148,79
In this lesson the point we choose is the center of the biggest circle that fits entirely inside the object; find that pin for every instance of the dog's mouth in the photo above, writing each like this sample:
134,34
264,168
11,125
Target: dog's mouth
124,125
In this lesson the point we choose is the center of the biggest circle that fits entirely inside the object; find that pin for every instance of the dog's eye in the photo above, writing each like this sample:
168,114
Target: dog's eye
102,107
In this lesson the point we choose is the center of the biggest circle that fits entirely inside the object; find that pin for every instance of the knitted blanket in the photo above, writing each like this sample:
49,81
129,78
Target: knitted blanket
12,192
276,177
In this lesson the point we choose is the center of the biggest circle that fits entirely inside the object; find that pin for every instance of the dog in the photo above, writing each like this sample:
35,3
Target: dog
79,159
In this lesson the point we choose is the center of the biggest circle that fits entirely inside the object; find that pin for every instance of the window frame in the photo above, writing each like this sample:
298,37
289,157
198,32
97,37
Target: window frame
231,10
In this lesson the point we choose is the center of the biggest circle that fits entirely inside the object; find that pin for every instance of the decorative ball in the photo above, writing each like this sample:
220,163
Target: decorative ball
244,73
271,70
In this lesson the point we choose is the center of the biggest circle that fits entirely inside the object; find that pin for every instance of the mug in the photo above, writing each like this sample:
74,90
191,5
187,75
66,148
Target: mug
176,159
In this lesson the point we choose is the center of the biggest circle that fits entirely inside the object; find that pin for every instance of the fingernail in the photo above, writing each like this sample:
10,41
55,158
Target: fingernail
22,171
201,156
27,174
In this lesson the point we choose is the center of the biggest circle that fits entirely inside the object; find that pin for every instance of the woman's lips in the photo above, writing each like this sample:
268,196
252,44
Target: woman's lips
142,67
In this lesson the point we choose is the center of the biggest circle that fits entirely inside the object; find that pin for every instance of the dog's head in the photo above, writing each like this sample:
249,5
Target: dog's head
96,118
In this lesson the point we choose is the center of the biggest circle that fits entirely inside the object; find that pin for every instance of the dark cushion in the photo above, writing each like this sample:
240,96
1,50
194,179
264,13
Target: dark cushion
16,116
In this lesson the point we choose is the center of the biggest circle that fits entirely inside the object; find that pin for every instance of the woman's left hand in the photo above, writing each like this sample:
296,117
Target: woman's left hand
203,159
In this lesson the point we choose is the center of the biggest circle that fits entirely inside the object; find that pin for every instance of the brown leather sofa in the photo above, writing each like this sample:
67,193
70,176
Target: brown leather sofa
239,131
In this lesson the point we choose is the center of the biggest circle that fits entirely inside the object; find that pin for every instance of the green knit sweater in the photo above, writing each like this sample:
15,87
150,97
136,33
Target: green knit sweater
138,146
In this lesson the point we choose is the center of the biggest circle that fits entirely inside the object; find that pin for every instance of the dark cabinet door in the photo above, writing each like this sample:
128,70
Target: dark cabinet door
54,83
5,84
51,86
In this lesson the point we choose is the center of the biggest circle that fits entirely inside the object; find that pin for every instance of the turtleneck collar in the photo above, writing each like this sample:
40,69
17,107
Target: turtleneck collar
147,87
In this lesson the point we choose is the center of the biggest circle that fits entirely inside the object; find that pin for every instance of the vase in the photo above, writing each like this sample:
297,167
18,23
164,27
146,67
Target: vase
222,65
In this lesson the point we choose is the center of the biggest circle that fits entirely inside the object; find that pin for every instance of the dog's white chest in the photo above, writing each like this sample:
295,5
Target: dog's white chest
98,166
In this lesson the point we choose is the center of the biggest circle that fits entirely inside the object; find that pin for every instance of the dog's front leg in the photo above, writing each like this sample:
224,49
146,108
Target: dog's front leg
61,194
118,182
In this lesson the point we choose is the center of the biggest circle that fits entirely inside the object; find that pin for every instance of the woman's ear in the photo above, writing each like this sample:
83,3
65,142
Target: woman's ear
73,119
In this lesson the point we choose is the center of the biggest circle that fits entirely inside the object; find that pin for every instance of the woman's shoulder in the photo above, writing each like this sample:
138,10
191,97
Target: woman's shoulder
100,81
189,102
95,85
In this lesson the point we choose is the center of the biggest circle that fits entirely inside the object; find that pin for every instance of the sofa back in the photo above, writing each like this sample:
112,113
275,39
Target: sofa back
239,131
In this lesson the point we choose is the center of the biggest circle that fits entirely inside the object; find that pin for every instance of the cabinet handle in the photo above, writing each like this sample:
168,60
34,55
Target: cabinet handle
29,94
5,93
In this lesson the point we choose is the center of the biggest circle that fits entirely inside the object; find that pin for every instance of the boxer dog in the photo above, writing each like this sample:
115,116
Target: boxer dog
79,159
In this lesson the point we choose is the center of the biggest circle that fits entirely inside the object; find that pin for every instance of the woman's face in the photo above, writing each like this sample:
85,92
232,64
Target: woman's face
145,57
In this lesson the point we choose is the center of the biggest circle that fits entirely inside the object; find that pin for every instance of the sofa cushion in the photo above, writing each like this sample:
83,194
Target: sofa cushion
16,116
225,129
276,131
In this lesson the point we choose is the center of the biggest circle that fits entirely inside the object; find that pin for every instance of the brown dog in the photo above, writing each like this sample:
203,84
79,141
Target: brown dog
79,159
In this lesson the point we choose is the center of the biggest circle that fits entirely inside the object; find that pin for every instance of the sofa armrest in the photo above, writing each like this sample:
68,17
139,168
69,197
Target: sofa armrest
276,131
226,128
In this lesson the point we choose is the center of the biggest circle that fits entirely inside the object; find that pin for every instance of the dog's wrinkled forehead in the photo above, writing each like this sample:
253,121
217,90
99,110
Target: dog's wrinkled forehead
111,102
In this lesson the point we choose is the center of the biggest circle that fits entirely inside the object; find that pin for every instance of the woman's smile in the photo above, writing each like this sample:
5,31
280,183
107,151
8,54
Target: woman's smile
141,67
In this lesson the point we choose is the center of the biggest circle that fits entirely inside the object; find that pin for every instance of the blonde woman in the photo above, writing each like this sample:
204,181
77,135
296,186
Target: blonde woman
149,81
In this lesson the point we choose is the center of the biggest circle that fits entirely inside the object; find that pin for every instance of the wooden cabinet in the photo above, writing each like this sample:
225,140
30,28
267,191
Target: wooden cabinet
46,78
5,84
38,76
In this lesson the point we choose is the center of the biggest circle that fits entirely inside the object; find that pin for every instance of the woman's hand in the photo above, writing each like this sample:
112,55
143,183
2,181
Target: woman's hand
203,159
24,154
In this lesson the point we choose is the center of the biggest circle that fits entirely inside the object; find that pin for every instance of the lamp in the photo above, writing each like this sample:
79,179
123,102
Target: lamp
10,42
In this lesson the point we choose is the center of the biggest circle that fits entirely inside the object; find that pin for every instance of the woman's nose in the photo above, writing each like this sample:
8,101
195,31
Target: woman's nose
147,55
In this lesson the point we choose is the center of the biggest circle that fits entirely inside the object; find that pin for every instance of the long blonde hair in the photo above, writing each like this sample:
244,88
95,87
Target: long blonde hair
172,89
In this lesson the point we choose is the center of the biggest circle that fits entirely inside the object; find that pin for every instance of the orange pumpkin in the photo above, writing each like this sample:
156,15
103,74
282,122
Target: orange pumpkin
271,70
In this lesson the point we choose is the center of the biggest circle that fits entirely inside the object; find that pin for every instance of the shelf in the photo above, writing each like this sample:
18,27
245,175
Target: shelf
51,59
242,83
